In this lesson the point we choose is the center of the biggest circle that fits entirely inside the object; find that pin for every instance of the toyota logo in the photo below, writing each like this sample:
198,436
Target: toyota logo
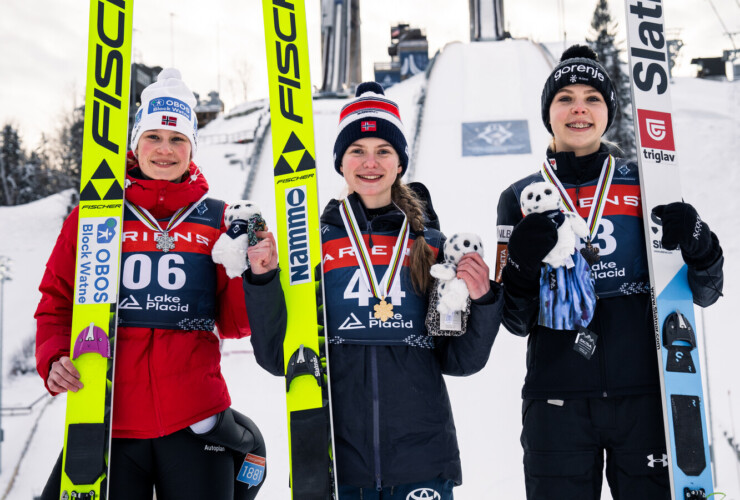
424,494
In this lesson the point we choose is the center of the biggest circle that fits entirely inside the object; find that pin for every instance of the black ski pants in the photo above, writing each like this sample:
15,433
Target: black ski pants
565,443
180,466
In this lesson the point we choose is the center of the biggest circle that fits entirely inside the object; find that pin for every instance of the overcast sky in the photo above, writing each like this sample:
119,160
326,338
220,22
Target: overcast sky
220,44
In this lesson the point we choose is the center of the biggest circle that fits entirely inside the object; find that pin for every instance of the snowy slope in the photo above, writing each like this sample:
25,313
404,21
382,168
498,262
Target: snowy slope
469,83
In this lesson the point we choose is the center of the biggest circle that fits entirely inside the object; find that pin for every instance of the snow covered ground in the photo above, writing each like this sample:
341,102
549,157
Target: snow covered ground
469,83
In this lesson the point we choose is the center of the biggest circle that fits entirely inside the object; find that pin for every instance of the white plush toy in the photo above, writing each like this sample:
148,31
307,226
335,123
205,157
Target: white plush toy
453,292
542,197
230,250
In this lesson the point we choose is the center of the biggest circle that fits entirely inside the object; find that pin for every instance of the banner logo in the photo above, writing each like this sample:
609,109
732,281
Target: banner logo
294,145
424,494
656,130
103,180
351,323
299,257
652,460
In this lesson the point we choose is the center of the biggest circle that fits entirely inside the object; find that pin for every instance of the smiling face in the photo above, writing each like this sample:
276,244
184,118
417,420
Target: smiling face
578,117
163,154
370,166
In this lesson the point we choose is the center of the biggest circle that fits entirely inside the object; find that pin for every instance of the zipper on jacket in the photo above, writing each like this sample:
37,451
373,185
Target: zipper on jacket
155,392
376,416
602,357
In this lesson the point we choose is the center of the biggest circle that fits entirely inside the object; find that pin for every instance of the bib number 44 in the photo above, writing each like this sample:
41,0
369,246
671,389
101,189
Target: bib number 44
357,289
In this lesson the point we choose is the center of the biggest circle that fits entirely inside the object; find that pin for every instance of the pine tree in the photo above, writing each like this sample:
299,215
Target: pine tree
53,167
11,160
603,42
69,144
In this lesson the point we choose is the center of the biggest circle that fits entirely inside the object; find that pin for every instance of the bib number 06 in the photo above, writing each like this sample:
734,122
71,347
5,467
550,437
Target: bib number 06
138,271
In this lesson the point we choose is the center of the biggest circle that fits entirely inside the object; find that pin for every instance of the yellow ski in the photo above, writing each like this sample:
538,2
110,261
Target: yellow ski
299,245
89,411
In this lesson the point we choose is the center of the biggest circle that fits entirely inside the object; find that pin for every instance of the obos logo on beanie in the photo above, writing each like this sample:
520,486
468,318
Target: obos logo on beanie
167,104
579,64
371,114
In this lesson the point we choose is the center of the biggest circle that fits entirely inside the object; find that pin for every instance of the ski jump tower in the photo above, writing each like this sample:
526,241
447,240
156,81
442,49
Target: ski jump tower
340,45
340,38
487,20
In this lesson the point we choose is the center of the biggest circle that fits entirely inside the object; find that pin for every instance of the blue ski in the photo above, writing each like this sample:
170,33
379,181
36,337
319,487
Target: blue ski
673,308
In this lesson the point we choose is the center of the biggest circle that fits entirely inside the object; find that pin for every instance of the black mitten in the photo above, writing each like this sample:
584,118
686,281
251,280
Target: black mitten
530,241
682,227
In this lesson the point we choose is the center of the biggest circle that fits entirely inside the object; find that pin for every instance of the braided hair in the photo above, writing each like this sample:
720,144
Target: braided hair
422,257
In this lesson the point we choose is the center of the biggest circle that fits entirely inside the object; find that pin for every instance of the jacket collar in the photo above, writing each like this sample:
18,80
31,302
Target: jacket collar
386,222
572,169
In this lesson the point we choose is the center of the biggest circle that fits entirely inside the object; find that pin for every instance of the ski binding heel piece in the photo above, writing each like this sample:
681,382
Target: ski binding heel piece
680,340
92,339
303,362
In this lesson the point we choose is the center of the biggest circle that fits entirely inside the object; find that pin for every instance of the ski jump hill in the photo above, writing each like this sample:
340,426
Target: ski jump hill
474,126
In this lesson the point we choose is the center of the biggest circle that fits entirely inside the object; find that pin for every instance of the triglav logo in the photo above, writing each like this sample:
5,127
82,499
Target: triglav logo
656,130
424,494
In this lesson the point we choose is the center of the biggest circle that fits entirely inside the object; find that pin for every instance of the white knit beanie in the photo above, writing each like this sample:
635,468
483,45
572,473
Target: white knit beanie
167,104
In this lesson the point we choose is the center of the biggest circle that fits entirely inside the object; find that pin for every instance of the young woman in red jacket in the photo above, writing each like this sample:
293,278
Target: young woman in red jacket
169,393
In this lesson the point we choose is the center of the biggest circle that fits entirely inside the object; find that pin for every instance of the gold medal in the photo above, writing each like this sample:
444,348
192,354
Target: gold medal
383,311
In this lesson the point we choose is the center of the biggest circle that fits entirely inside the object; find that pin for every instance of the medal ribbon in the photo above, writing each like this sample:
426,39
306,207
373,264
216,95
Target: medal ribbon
363,257
600,196
149,220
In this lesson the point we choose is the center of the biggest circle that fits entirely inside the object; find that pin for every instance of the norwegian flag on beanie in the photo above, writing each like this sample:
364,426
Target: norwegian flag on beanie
370,114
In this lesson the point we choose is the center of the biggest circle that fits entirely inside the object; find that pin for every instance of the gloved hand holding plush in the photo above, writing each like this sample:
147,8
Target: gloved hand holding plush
682,227
529,243
230,250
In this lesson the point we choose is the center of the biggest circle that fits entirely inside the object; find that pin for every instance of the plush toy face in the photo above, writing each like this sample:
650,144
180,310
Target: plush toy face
539,197
460,244
242,210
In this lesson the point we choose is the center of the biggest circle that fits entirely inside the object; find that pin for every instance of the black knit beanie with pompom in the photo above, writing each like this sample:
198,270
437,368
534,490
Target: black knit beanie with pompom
578,64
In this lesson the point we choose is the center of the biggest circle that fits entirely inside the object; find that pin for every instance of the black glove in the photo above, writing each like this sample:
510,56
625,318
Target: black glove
682,227
529,243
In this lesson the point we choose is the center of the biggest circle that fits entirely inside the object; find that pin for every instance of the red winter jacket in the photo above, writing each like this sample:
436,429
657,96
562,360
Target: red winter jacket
165,380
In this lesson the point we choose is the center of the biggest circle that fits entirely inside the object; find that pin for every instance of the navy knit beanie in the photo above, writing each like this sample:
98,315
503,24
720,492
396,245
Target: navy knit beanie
578,64
370,114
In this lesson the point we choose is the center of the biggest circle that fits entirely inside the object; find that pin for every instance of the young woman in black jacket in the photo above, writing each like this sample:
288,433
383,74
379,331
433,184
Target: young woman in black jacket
394,433
578,407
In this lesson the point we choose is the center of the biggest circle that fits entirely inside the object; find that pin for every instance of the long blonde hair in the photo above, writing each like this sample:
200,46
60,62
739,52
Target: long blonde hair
422,257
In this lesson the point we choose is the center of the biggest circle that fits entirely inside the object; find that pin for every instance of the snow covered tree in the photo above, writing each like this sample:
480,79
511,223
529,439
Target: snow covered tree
69,147
11,161
53,167
603,42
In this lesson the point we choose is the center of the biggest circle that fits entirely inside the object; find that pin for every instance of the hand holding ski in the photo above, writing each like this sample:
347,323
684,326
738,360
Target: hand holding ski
63,376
